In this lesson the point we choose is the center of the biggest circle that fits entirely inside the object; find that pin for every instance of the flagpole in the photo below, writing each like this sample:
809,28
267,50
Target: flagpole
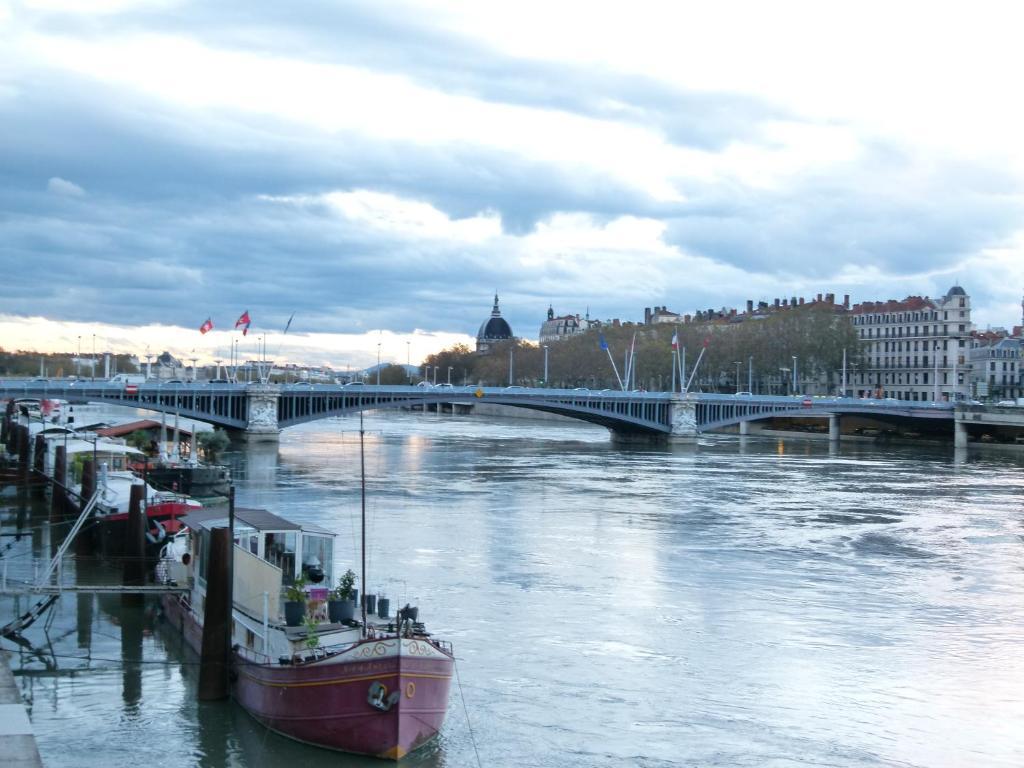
682,369
673,390
285,333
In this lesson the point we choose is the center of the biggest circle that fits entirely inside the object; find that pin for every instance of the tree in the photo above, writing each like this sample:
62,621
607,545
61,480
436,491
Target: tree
393,374
212,444
142,440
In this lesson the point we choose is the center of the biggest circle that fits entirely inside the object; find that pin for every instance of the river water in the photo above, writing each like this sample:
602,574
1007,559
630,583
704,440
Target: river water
754,602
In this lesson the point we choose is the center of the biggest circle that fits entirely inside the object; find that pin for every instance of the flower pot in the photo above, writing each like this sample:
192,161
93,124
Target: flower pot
339,611
294,612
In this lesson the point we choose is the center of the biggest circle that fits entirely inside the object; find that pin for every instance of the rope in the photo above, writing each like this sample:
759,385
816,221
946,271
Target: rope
465,709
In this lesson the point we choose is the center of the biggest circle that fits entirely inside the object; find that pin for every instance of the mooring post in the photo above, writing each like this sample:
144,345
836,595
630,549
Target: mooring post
135,538
23,447
83,544
39,454
88,481
213,663
5,426
60,473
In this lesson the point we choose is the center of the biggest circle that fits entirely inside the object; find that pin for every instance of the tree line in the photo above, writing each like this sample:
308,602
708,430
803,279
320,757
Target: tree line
764,350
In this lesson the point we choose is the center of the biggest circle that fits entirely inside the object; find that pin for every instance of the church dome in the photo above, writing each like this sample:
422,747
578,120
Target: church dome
495,328
956,290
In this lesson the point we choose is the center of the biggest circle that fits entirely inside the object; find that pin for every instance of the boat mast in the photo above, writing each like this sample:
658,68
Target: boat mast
362,520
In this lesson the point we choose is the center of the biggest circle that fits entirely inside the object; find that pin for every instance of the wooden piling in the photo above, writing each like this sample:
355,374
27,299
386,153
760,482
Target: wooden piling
214,659
58,499
135,538
23,446
88,481
83,542
39,454
5,425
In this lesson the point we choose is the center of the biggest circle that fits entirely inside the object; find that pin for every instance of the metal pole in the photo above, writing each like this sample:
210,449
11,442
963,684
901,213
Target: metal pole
935,382
449,374
362,526
510,365
794,374
545,365
738,364
378,363
673,390
750,374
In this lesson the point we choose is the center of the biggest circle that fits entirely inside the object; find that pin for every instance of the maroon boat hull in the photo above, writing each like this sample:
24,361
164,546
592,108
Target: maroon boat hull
327,702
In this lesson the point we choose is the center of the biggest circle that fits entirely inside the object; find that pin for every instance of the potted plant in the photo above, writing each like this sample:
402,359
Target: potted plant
341,605
295,602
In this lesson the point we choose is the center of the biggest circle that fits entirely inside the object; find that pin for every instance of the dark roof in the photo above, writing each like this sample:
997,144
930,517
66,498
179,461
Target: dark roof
495,328
260,519
956,290
119,430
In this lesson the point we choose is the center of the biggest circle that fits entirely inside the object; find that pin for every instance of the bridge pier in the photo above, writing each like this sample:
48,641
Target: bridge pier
833,429
261,426
959,434
684,420
744,428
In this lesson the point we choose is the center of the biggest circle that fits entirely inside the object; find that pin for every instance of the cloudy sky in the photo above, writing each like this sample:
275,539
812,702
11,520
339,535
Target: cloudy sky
380,169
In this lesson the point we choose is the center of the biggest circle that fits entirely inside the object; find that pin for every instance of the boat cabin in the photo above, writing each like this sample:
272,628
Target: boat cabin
269,554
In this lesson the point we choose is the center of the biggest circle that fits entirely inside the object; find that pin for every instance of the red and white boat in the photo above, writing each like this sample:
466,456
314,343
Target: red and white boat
374,687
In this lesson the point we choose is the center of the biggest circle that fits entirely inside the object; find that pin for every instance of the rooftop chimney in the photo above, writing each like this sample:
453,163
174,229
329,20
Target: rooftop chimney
801,301
750,306
776,303
846,300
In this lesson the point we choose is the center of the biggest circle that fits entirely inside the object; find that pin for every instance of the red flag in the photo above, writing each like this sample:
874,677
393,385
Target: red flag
207,326
675,340
707,341
243,320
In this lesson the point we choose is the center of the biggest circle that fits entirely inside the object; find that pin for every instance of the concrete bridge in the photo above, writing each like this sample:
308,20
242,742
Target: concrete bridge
261,411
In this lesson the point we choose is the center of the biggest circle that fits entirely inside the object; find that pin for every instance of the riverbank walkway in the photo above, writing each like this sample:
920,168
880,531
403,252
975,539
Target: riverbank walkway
17,742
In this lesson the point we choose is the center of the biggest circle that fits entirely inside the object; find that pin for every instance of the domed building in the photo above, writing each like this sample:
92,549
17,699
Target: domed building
493,329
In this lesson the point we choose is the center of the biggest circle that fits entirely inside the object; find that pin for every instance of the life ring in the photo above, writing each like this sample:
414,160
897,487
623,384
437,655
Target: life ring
410,689
157,533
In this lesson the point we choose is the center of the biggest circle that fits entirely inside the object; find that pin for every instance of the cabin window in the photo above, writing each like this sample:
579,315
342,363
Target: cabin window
250,638
280,551
319,550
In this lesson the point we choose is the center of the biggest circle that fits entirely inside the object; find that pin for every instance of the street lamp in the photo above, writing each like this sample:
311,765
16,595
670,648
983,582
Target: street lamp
450,374
794,374
545,365
435,374
94,357
750,374
378,363
78,360
737,364
426,373
408,359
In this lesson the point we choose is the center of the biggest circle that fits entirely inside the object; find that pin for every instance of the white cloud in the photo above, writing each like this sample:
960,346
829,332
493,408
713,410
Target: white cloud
59,186
400,217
